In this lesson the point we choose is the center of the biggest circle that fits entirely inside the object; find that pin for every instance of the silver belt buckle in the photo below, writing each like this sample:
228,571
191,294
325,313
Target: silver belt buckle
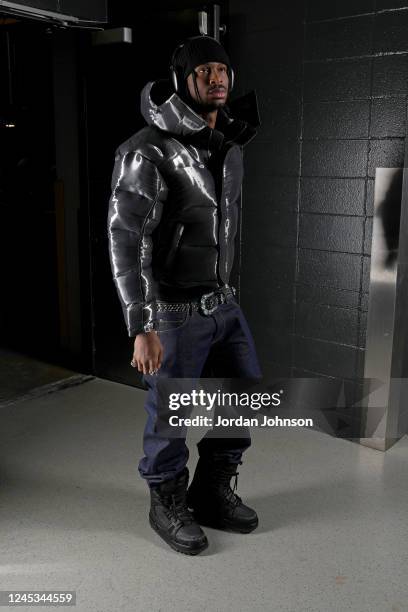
212,297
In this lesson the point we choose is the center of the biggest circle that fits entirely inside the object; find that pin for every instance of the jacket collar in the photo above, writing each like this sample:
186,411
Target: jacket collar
164,109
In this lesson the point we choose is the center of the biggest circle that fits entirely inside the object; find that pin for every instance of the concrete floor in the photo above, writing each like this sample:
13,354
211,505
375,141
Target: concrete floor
22,377
73,515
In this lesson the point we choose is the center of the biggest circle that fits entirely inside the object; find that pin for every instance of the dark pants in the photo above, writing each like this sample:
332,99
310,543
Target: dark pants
194,344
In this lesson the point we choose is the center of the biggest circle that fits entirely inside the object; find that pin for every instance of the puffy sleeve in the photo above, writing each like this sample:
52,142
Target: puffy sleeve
135,209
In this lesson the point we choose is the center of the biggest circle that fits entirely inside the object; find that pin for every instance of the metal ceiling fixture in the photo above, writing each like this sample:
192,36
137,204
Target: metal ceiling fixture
47,16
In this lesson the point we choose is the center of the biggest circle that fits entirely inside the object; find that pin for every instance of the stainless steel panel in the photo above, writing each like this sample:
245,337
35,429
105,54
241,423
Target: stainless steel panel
384,351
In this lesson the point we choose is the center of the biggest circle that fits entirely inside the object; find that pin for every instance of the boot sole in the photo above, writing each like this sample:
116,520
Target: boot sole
225,525
182,548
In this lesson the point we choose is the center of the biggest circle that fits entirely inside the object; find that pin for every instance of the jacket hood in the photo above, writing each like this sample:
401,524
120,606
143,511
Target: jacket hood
163,108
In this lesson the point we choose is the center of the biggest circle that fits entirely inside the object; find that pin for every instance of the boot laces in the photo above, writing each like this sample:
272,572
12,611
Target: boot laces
224,478
177,508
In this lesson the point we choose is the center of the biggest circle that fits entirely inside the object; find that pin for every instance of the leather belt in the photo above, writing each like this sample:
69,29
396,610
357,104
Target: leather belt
207,303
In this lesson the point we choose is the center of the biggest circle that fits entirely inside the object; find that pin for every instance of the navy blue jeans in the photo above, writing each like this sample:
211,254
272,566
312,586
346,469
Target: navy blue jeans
218,345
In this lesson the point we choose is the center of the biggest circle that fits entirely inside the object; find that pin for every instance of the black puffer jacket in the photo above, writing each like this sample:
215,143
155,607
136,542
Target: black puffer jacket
174,207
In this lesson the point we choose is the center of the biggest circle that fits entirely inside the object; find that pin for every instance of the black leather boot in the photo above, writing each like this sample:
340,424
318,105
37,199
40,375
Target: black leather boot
171,519
212,500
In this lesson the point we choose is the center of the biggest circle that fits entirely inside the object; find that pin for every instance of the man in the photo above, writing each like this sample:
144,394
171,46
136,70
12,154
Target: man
172,223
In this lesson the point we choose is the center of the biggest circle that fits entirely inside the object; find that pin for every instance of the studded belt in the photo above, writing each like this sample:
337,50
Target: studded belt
207,303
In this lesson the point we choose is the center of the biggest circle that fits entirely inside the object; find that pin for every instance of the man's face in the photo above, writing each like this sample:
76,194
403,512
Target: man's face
212,84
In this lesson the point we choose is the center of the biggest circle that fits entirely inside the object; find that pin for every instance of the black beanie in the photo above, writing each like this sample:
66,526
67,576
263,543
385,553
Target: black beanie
198,50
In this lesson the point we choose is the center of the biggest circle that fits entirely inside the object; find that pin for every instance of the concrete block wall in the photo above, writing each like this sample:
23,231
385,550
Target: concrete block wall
332,82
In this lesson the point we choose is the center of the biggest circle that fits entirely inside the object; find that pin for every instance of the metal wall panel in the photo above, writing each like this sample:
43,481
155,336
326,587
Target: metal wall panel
387,304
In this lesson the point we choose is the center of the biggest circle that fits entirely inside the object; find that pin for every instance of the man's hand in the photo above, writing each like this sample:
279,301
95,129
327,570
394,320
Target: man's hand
148,352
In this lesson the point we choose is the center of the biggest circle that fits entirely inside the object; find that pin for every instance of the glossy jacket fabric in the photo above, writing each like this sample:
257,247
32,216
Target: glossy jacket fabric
173,211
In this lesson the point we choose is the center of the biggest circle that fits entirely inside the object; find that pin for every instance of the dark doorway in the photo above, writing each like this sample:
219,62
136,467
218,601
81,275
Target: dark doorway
29,310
